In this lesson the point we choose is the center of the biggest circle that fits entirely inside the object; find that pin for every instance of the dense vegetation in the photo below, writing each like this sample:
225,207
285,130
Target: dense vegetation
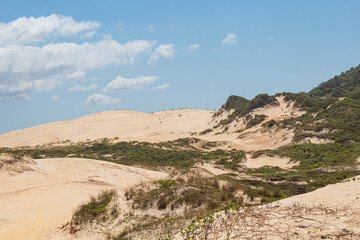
343,85
242,106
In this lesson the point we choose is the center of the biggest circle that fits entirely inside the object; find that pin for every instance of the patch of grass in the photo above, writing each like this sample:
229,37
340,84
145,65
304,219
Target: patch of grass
201,193
94,208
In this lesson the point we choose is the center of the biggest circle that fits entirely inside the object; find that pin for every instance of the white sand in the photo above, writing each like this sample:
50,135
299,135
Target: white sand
34,203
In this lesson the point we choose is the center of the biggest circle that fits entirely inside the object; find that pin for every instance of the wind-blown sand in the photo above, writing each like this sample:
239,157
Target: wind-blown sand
35,202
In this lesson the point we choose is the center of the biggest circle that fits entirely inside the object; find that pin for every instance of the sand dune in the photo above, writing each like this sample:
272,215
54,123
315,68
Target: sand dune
34,203
332,212
126,125
159,127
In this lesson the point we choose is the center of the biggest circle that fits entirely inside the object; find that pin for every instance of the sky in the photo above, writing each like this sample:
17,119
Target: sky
61,60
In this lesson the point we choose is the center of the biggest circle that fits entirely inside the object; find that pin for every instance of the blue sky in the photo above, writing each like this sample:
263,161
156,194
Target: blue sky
60,60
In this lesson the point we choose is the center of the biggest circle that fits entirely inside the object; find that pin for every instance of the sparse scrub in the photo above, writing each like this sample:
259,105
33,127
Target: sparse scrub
96,207
206,131
257,119
268,222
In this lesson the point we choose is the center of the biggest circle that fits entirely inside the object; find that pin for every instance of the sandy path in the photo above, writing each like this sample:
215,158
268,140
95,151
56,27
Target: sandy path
34,203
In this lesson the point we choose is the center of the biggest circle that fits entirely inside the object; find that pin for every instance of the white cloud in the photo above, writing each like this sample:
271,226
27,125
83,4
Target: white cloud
162,87
79,87
34,69
193,47
164,50
230,38
55,97
100,99
27,30
29,67
151,28
121,83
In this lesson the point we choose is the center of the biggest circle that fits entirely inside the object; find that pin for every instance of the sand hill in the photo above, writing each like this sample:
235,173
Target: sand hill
36,202
160,127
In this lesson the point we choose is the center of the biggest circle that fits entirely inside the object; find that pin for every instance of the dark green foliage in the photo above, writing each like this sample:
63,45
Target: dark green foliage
313,156
235,102
339,86
134,153
243,106
233,161
259,101
343,121
270,124
97,206
206,131
257,119
340,122
305,102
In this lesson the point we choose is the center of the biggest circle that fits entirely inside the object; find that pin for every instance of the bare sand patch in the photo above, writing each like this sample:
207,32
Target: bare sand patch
212,168
34,203
263,159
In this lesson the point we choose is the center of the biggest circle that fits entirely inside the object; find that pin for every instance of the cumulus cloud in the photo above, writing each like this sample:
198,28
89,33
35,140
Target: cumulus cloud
30,64
230,38
193,47
122,83
164,50
162,87
27,30
100,99
55,97
79,88
27,69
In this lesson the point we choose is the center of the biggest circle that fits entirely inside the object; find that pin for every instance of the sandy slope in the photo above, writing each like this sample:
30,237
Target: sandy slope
332,212
126,125
34,203
160,127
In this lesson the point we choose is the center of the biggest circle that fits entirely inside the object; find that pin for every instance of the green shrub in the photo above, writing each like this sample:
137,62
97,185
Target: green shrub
94,208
